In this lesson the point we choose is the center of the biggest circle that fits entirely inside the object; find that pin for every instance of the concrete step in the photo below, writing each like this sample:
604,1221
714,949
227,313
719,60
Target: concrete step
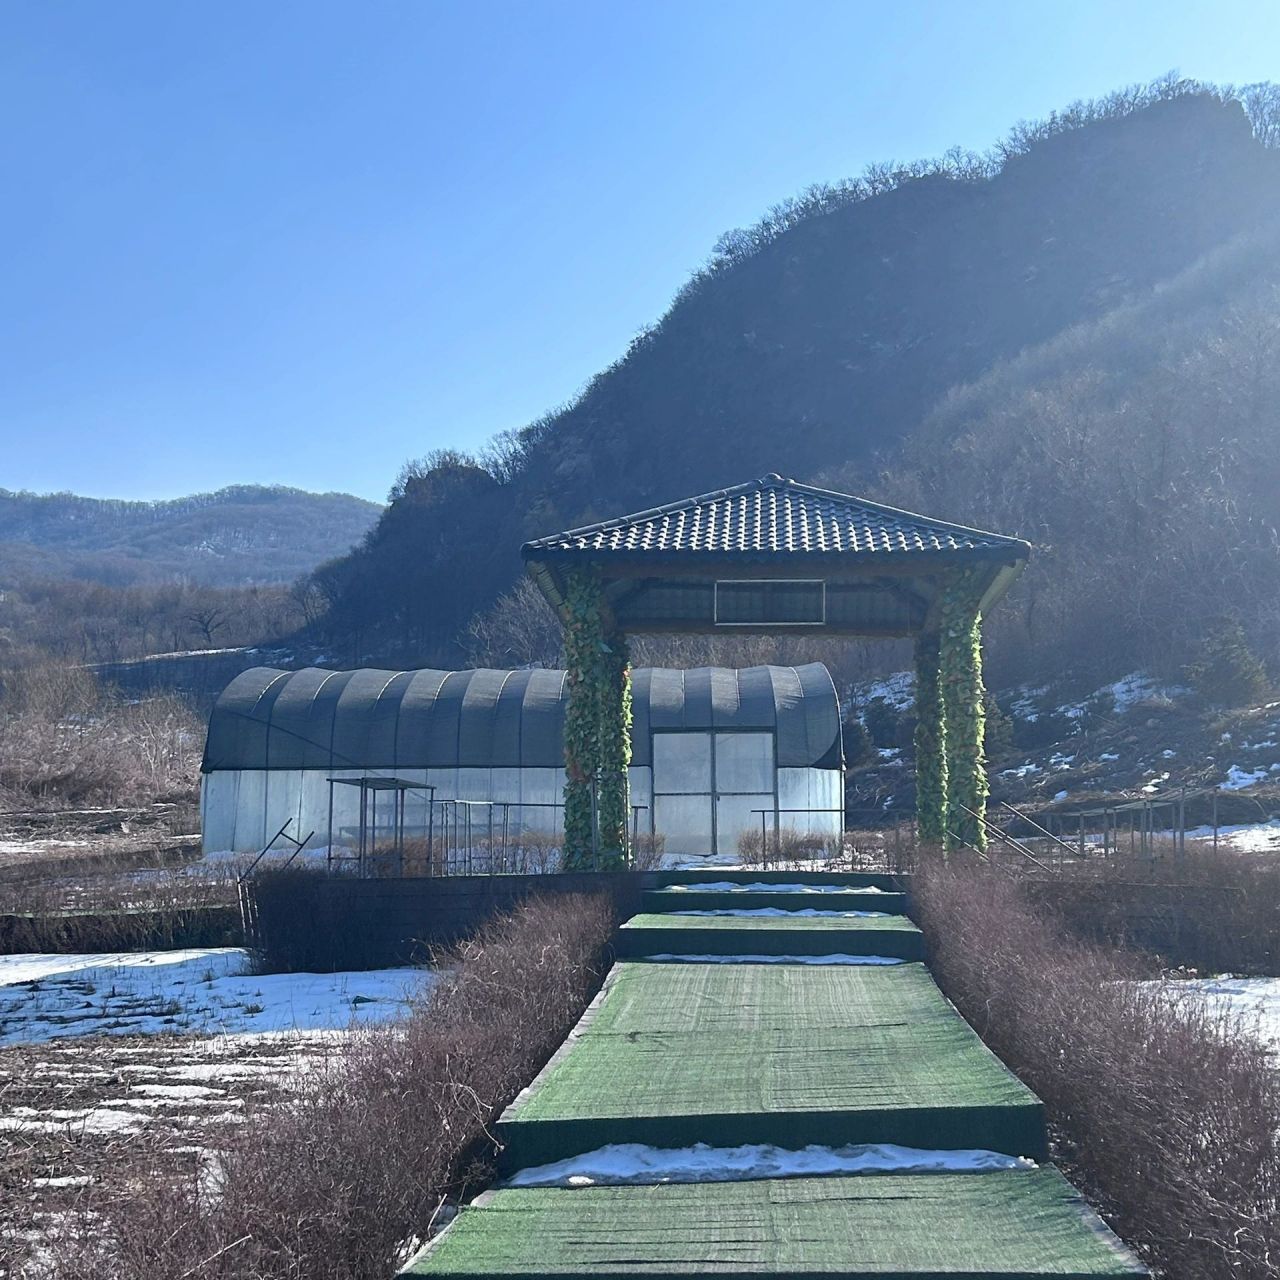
694,898
655,933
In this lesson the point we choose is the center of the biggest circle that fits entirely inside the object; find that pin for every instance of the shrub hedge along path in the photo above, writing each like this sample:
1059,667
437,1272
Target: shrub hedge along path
680,1051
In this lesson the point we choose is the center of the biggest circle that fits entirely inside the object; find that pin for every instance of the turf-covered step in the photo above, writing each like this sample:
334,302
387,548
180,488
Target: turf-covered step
966,1226
790,1054
695,898
840,879
792,934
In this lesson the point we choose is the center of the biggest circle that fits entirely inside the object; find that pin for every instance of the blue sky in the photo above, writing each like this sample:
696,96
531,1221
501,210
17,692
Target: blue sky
299,243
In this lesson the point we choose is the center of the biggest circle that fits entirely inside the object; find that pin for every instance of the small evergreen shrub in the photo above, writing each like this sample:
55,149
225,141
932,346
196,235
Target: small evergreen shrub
1227,673
998,733
881,721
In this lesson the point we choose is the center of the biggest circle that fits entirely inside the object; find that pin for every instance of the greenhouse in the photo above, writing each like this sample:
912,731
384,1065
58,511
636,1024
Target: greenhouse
716,752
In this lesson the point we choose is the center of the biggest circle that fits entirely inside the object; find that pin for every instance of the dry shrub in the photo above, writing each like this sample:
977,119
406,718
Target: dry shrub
1165,1114
64,740
341,1179
521,853
789,850
647,852
164,929
117,901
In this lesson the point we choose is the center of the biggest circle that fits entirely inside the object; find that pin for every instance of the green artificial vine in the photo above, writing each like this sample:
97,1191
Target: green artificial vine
597,732
931,742
964,717
613,790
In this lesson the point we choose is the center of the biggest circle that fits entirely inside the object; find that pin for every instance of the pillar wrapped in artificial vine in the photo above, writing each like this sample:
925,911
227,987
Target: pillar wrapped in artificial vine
930,742
613,792
597,732
583,643
960,665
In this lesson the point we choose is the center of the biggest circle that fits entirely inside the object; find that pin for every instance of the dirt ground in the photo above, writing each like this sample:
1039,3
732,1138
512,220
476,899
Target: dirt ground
69,1110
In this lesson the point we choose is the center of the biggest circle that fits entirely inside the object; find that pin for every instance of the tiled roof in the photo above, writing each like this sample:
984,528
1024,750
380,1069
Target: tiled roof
773,516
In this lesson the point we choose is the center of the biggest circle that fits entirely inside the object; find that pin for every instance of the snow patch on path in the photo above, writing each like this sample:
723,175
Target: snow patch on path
779,911
761,886
633,1163
834,957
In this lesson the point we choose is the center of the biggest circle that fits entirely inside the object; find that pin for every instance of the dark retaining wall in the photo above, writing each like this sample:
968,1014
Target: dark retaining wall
310,922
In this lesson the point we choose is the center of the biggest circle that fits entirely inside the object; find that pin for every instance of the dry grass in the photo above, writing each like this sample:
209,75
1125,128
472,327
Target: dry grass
1165,1114
787,849
64,740
116,899
338,1180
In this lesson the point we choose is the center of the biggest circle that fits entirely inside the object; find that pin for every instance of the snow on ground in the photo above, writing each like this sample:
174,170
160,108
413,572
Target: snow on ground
239,861
632,1163
898,690
780,911
834,957
1123,695
762,886
34,847
1254,1000
204,990
733,862
1025,701
1025,770
1248,837
70,1108
1238,778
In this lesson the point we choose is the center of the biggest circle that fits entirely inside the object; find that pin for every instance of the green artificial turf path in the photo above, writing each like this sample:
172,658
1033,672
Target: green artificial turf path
996,1226
652,934
672,1054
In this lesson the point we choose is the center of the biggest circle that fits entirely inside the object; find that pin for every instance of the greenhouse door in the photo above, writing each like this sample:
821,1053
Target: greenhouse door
709,787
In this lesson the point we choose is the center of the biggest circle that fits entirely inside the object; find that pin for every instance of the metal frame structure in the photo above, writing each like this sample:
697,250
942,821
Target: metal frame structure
370,785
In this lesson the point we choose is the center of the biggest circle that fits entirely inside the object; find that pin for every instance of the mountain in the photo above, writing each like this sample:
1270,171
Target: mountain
1106,280
239,536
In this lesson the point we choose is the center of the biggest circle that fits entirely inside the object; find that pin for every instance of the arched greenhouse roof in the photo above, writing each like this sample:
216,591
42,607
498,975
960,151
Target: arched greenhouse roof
387,720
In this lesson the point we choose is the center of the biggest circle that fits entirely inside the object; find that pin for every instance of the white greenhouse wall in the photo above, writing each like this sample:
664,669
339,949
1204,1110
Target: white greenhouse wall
242,809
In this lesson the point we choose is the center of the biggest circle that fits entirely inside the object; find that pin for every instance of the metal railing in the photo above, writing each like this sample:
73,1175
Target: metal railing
788,843
459,837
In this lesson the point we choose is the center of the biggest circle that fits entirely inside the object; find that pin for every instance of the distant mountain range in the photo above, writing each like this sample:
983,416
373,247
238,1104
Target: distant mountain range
239,536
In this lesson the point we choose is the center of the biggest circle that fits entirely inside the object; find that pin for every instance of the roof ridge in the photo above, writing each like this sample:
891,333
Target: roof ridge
776,483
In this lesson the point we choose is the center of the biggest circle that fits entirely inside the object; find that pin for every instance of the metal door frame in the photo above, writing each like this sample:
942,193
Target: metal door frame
715,794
